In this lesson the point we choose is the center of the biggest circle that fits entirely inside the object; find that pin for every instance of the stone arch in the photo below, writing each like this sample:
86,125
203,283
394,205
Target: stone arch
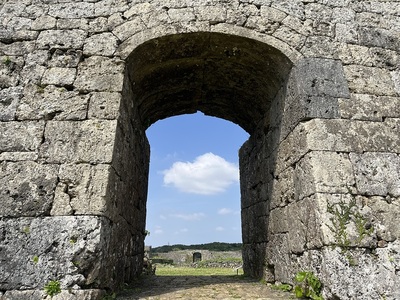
243,80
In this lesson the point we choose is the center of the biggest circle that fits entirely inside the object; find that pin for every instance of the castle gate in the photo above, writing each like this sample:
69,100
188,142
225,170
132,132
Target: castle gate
315,83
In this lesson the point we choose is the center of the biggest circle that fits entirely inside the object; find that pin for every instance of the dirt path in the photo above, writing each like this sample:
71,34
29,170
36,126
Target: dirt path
201,287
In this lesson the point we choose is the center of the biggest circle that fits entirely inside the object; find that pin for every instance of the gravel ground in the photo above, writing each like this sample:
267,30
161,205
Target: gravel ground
201,287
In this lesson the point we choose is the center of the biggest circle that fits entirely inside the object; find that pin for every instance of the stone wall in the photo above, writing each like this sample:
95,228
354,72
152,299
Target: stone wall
185,257
316,84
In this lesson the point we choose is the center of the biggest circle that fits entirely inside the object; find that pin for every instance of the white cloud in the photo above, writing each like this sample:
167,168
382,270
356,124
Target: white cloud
208,174
224,211
189,217
219,228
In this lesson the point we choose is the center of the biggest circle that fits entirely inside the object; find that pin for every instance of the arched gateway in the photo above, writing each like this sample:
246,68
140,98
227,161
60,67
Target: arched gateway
82,81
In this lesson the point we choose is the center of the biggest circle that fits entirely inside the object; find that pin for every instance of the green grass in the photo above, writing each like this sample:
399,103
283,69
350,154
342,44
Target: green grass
187,271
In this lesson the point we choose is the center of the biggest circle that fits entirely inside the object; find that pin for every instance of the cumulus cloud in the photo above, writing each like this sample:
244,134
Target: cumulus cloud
208,174
189,217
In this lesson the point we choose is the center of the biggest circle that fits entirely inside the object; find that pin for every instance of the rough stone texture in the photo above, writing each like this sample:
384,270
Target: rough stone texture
316,84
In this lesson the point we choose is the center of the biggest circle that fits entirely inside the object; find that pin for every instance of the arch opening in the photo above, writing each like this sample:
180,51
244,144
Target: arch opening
230,77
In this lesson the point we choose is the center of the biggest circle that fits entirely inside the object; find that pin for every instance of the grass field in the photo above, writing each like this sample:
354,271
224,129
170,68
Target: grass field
163,270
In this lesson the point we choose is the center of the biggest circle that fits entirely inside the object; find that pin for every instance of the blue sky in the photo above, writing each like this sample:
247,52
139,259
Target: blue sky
194,194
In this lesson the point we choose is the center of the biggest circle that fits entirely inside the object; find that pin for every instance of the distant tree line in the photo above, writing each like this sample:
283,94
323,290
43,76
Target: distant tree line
216,246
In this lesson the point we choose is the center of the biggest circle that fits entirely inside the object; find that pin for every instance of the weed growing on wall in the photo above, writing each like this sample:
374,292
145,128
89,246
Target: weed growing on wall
344,213
52,288
308,286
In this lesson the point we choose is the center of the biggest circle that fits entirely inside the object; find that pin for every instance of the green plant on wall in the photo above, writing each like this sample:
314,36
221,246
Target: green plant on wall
52,288
344,213
308,286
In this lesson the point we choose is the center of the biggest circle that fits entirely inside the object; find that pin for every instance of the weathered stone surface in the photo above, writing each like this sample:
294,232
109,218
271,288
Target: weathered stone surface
100,74
82,190
27,188
366,80
92,142
9,99
59,76
52,103
20,136
273,67
61,39
323,172
377,174
64,295
104,105
68,249
65,58
367,107
104,44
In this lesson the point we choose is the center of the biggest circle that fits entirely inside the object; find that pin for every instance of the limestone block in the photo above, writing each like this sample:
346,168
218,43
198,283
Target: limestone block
59,76
27,188
386,211
104,105
290,36
70,249
20,136
377,174
368,107
20,23
98,25
18,156
37,57
182,14
375,273
64,295
304,27
127,29
353,136
370,57
44,23
396,81
213,14
272,14
9,71
68,24
89,141
312,92
323,172
65,58
101,74
283,188
109,7
367,80
279,221
72,10
277,255
9,99
52,103
17,48
346,33
82,190
32,74
291,7
61,39
103,44
138,9
378,37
